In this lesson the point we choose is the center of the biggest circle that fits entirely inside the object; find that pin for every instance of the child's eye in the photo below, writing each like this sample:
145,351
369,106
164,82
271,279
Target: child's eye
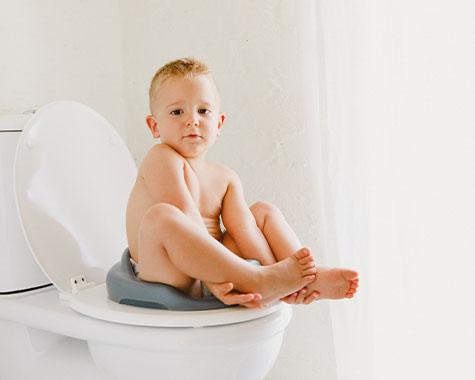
204,111
176,112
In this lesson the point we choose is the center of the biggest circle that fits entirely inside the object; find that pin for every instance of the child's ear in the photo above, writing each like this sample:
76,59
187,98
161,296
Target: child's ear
153,126
220,123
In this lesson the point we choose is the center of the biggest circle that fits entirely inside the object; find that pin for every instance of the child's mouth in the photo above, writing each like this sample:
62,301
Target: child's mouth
192,136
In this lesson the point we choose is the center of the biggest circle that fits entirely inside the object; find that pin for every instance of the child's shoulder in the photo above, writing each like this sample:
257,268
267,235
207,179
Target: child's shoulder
223,171
162,154
161,160
162,150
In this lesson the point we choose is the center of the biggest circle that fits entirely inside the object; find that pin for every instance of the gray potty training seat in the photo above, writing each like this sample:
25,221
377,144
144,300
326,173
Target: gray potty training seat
124,287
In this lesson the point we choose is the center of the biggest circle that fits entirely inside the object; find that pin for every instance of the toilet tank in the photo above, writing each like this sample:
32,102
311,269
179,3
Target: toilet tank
18,267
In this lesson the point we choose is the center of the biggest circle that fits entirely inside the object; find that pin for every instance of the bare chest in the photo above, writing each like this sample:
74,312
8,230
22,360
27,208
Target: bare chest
207,188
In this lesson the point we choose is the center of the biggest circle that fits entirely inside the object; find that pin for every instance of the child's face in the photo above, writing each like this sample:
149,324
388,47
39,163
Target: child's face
186,116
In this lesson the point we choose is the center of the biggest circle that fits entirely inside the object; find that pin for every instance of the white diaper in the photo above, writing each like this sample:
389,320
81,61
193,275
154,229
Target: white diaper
135,266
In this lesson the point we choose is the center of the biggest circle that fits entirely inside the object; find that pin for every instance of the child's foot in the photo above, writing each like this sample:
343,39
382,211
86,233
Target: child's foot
286,276
335,283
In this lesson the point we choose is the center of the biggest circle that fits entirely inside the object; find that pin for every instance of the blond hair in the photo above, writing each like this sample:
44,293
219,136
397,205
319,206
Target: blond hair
183,68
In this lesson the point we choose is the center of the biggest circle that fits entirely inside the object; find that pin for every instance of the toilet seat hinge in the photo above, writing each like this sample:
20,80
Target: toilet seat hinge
79,283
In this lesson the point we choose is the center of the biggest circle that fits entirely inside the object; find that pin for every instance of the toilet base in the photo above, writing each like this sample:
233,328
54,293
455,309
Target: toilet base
29,353
252,363
40,355
43,339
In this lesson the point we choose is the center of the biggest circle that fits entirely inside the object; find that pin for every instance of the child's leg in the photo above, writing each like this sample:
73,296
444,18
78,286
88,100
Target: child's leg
333,283
279,235
175,251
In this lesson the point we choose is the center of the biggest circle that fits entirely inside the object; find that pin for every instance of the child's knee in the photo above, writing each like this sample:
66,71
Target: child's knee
261,210
159,216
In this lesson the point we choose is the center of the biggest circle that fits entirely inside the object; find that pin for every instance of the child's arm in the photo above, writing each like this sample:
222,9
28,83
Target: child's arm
241,225
162,171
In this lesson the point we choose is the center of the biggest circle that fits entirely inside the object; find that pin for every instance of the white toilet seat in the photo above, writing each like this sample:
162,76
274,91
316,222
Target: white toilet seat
95,303
73,176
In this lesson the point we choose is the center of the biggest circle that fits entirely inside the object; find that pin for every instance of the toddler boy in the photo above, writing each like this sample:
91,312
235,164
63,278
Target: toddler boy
174,210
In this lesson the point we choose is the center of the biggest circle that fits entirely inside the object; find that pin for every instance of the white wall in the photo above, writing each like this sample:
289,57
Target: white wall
55,50
104,54
263,57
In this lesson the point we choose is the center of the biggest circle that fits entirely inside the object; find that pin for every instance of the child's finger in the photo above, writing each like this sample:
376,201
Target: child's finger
312,297
237,298
241,298
301,296
290,299
252,305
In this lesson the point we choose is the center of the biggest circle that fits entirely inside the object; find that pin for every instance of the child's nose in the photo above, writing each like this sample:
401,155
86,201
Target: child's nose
193,120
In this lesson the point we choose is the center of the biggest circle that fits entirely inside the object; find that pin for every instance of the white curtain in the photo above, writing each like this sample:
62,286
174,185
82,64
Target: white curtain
397,109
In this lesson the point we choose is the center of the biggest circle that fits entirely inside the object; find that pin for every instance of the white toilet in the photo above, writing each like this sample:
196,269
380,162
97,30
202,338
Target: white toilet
73,175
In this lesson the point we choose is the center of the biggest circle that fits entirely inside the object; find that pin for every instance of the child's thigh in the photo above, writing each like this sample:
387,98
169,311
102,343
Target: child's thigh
230,244
155,264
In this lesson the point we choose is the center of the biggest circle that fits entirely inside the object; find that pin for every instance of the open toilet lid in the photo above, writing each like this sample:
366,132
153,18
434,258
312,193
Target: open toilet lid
73,177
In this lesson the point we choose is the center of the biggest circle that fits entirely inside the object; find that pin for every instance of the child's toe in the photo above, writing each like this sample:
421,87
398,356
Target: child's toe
301,253
307,259
309,271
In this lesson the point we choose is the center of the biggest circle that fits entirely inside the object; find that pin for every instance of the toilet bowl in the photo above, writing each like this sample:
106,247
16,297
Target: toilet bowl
73,175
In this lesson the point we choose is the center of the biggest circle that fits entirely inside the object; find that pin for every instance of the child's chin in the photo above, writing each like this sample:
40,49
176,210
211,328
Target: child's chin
191,153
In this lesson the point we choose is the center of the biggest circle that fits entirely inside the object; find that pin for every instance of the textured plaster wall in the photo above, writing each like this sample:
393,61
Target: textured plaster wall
56,50
263,57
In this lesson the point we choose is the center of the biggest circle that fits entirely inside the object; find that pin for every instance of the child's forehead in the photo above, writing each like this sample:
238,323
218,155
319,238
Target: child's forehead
178,88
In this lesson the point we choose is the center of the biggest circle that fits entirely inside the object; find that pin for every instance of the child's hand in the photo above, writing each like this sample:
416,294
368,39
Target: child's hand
224,292
301,297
